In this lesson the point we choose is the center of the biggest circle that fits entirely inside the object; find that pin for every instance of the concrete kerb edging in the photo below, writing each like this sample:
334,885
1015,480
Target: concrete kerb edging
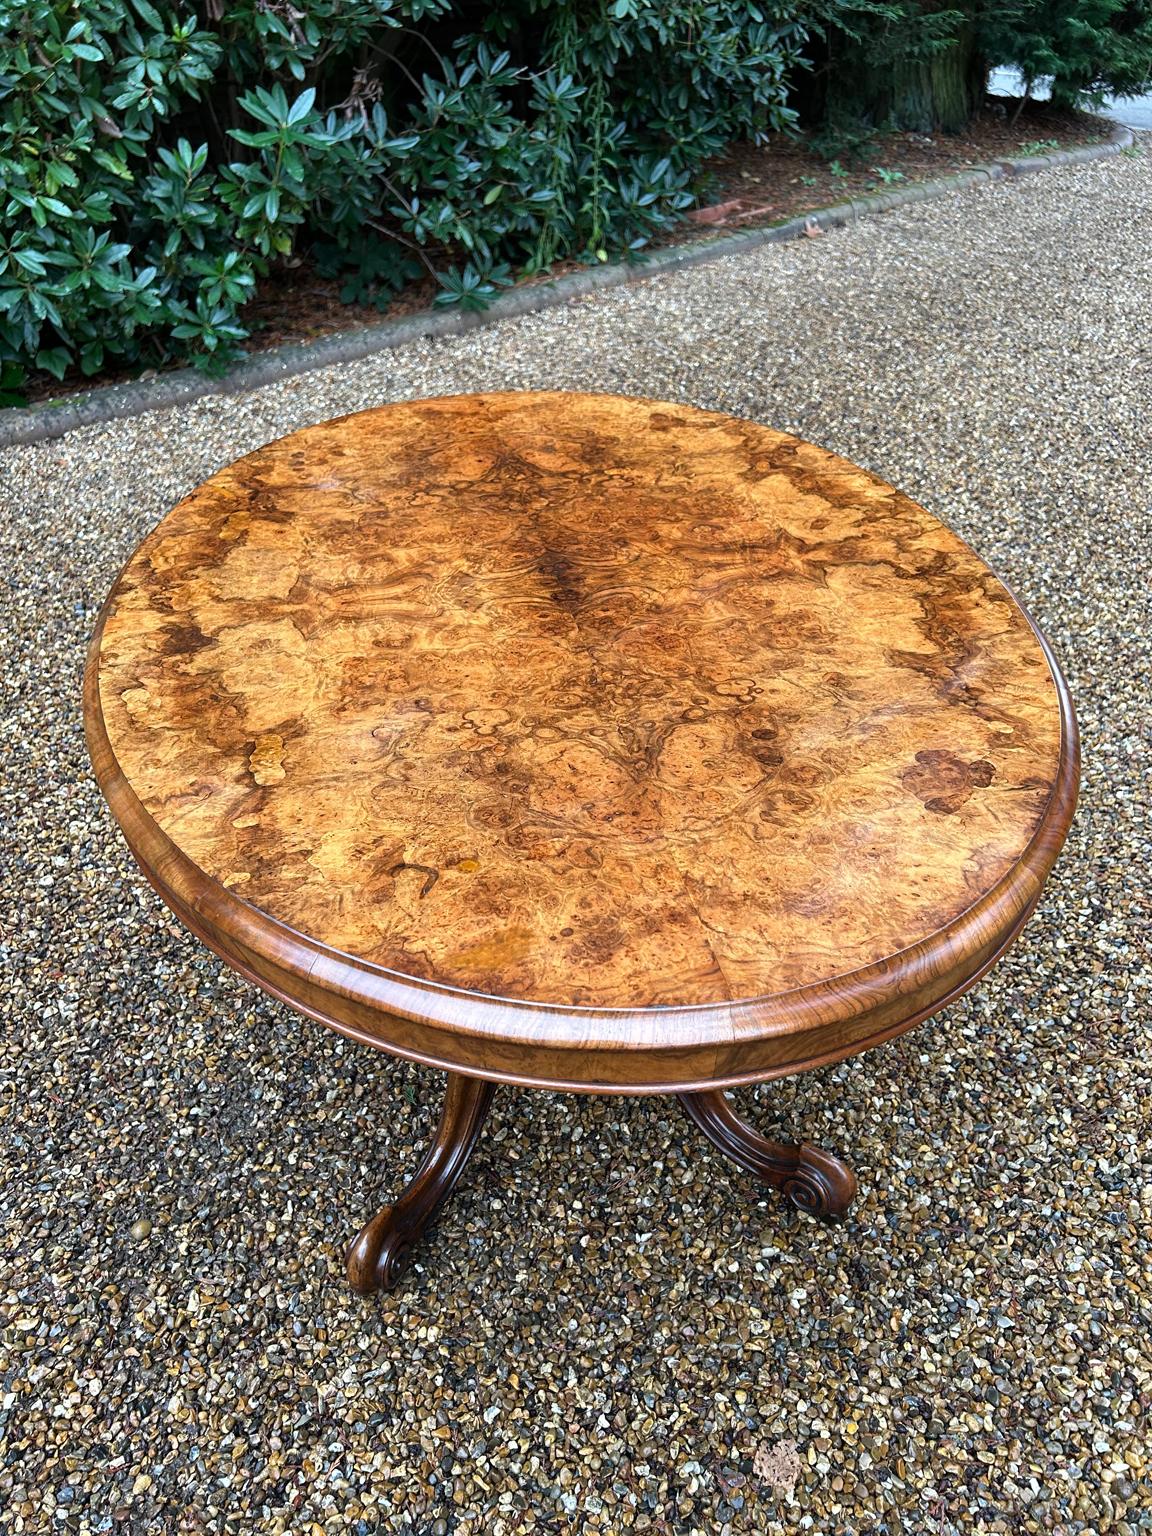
31,424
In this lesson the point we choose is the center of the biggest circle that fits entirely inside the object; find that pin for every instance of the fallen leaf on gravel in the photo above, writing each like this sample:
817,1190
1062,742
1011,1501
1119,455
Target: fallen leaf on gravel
778,1465
813,230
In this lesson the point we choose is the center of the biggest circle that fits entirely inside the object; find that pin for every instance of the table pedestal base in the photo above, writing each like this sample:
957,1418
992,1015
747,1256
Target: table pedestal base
812,1179
381,1251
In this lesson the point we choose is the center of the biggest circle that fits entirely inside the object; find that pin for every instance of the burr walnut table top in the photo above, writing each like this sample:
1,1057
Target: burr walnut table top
581,740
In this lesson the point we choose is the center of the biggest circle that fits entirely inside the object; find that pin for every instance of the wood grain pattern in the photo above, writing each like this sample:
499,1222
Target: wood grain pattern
580,740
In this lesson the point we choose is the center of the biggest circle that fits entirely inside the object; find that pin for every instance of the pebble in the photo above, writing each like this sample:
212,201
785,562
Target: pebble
948,1359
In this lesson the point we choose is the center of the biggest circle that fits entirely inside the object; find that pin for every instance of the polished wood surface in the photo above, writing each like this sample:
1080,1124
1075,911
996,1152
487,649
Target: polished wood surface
581,741
812,1179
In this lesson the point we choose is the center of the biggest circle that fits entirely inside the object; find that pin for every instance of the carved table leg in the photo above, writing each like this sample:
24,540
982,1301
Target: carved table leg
378,1256
812,1179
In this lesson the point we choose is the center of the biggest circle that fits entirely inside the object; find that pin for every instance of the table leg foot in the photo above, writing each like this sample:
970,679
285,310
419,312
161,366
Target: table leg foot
812,1179
380,1253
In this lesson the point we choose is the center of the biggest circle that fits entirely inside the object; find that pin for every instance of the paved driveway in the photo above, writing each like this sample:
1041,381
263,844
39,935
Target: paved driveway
1132,111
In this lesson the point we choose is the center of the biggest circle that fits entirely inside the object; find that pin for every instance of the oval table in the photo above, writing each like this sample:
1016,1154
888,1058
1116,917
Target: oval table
581,742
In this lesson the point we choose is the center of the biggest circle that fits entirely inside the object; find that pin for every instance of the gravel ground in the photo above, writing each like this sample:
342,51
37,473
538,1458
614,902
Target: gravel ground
611,1330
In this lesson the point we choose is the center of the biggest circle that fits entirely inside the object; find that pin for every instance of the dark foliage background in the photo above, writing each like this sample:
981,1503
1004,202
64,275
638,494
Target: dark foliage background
157,159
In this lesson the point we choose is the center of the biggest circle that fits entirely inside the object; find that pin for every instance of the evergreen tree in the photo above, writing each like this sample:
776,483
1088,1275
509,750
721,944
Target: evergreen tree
1088,47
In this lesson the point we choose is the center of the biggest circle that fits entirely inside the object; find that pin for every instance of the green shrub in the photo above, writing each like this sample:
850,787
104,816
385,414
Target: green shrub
158,161
155,165
83,101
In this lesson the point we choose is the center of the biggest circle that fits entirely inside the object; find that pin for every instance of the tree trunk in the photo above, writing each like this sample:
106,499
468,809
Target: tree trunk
874,83
938,94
